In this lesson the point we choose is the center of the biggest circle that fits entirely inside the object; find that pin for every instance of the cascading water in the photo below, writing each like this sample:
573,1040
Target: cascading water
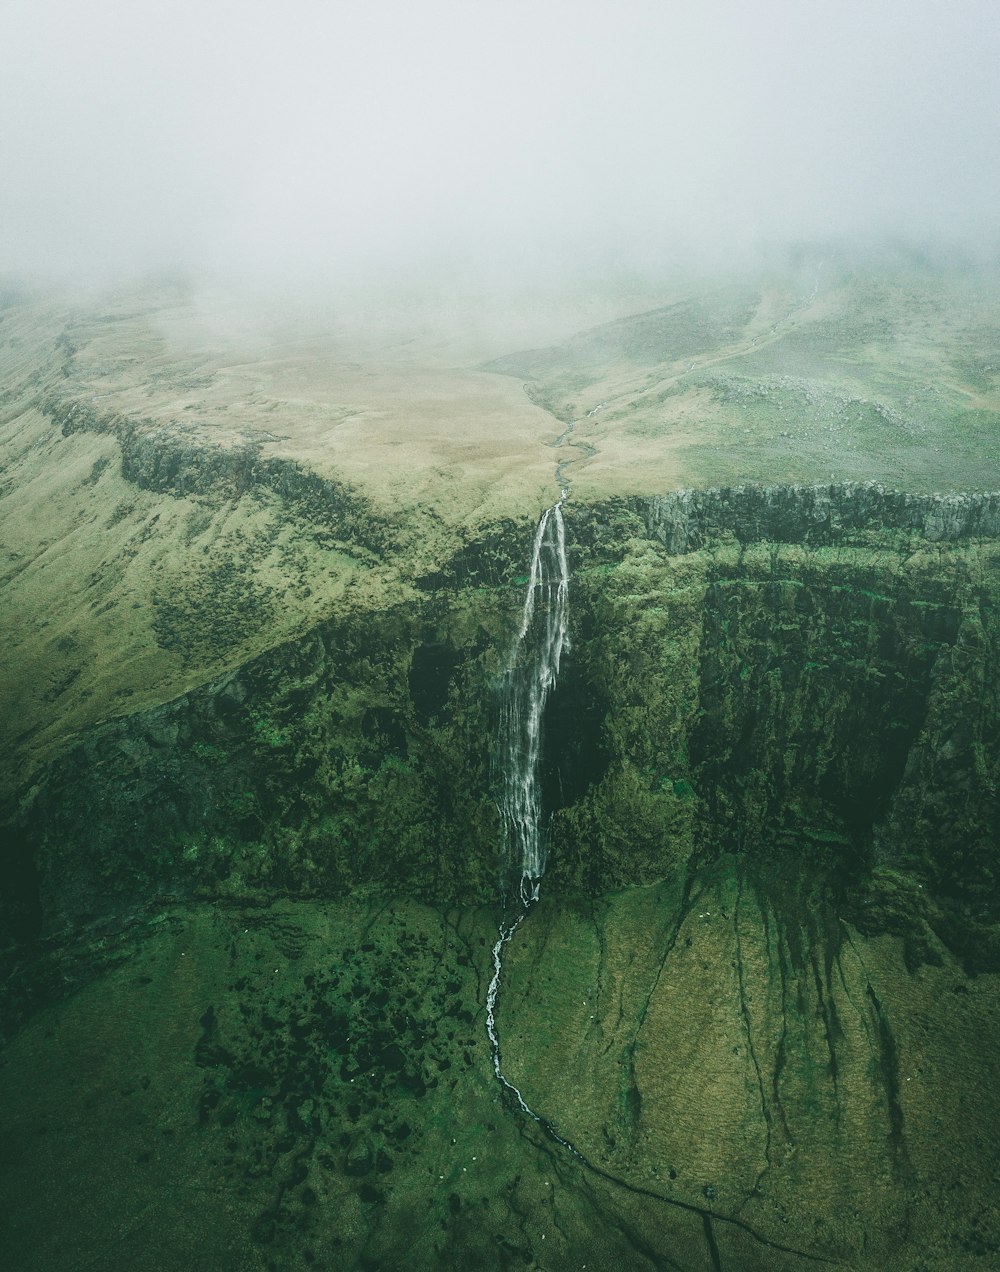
530,677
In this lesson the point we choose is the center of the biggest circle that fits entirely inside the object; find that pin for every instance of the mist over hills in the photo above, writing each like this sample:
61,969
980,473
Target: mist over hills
342,143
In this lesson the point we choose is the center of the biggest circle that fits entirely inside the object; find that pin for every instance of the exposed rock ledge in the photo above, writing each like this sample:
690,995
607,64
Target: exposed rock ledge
687,519
176,461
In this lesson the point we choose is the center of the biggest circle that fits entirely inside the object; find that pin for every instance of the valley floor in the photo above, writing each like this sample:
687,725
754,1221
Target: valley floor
750,1084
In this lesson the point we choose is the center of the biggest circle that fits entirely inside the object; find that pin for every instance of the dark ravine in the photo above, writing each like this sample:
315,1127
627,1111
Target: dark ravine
769,780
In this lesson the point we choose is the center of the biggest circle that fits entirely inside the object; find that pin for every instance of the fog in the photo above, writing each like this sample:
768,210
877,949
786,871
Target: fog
312,142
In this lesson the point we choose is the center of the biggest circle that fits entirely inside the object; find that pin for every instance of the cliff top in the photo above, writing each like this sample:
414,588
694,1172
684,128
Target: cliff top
820,373
190,479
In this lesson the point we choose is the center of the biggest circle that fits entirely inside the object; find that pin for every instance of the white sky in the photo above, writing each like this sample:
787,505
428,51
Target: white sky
333,137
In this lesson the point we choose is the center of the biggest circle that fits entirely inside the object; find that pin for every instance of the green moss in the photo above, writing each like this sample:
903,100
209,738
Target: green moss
269,733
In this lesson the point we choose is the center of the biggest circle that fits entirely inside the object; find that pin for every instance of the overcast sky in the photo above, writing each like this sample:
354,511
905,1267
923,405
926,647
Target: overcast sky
327,137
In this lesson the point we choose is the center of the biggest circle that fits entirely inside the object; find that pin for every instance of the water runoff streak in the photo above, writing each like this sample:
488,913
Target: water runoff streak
530,677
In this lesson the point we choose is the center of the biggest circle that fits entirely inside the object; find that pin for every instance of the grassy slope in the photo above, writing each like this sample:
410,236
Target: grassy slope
891,378
309,1084
116,597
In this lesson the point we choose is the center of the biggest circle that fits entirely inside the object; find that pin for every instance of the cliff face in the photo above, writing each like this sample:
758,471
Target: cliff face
815,685
757,992
166,459
813,515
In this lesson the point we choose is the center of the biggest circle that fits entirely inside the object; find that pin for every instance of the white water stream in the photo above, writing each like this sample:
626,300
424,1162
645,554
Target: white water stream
530,676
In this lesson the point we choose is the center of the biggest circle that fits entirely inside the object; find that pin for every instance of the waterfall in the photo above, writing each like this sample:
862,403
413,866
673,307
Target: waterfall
530,676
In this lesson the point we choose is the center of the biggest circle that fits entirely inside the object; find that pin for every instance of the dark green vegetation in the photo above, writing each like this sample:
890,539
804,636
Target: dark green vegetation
754,996
745,697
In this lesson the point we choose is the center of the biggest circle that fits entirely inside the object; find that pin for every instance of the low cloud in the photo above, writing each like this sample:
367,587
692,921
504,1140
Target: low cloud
313,142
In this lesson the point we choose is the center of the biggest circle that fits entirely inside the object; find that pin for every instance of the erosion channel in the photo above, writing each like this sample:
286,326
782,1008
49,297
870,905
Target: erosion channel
254,927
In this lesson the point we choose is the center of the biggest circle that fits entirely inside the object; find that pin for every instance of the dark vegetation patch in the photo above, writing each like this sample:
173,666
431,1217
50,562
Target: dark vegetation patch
325,764
324,1083
219,608
810,703
430,677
